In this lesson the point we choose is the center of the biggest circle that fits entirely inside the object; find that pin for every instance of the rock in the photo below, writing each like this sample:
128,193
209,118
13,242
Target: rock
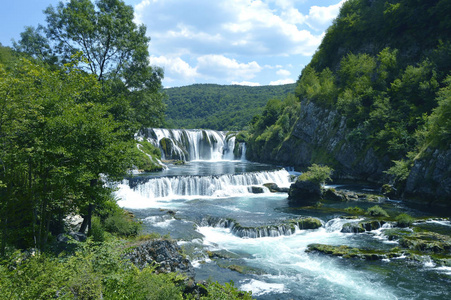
389,191
73,223
307,223
275,188
76,236
272,187
166,253
352,228
333,195
348,252
362,226
427,242
256,190
304,193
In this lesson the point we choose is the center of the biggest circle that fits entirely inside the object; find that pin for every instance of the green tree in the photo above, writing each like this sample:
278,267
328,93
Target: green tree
114,49
56,140
317,174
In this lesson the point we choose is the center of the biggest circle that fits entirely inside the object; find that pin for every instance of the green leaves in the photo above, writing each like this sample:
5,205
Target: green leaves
58,139
317,174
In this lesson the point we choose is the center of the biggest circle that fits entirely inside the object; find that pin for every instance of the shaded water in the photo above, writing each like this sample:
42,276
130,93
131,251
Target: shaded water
276,265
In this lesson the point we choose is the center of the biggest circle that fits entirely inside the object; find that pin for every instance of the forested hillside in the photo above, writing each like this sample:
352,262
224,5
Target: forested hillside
218,107
375,100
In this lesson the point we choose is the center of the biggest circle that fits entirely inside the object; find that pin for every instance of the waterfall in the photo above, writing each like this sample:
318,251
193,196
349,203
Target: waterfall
287,227
191,144
243,151
209,186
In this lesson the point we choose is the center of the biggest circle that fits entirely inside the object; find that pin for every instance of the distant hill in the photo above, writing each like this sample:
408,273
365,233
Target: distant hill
219,107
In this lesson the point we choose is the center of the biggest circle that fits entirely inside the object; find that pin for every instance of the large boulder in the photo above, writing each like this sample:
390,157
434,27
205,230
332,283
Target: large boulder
304,193
166,253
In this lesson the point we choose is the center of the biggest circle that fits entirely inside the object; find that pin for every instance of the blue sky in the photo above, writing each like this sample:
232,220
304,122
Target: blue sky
248,42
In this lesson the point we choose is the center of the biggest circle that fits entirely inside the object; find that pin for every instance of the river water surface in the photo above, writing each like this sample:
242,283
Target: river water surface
204,197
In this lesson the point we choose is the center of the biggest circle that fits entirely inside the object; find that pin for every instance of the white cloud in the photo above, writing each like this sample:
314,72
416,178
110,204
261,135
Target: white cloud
283,72
230,40
282,81
219,66
249,83
322,16
175,67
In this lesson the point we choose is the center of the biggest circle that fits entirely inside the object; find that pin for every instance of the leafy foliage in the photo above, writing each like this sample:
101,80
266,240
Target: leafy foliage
404,220
56,140
112,47
317,174
384,66
377,211
218,107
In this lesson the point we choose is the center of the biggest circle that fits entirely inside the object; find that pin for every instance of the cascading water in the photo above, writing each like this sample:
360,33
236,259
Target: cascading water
227,185
214,208
191,144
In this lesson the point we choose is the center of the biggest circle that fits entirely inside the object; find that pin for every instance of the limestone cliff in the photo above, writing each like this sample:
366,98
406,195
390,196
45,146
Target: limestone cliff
321,136
430,178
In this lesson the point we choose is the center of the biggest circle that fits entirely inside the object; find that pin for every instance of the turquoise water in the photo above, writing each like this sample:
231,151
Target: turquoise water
274,267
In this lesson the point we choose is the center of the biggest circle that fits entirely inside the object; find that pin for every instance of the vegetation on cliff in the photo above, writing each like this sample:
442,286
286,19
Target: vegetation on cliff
384,67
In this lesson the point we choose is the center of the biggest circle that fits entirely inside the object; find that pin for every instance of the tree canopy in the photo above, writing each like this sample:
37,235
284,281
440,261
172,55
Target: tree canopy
218,107
114,49
72,96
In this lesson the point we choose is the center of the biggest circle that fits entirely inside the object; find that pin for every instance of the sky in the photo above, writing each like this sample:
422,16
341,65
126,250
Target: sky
246,42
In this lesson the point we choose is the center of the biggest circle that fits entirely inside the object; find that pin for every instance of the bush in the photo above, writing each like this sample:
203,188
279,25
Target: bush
377,211
228,291
404,220
97,231
122,224
317,174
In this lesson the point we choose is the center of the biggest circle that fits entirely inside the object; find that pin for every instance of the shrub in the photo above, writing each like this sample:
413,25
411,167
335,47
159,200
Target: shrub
122,224
97,231
316,173
404,220
228,291
377,211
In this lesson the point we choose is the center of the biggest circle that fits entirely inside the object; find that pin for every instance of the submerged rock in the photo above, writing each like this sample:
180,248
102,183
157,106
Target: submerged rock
256,190
273,188
427,242
362,226
333,195
348,252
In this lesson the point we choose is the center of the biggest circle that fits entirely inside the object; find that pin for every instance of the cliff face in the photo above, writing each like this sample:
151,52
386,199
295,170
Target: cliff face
430,178
321,136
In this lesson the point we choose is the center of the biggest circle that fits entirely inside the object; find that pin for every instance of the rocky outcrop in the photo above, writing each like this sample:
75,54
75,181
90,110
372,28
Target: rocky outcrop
430,178
322,136
362,226
304,193
167,255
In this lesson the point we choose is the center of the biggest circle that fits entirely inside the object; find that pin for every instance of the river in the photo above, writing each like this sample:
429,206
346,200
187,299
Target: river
200,202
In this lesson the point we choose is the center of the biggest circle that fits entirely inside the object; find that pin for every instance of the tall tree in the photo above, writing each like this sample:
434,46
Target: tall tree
115,50
57,144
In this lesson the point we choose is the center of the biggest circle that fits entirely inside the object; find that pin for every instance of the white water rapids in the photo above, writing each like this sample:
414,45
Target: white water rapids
217,185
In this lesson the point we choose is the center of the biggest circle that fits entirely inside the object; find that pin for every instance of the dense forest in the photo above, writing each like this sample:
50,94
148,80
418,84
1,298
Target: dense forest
218,107
383,68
